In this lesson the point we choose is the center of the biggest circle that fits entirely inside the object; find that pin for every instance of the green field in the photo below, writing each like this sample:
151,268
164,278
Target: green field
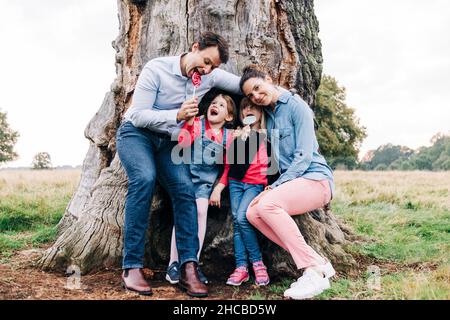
404,218
31,204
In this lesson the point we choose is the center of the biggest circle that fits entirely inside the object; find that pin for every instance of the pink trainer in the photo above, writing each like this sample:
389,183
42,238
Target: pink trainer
238,276
261,275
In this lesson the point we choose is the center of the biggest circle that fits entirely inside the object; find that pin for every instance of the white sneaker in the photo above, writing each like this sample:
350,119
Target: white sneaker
327,270
310,284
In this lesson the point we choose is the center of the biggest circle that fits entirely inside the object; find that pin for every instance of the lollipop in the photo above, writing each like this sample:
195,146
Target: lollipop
196,80
249,120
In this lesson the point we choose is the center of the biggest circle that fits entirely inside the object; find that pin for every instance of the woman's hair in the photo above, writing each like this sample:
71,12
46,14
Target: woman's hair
252,71
245,102
231,107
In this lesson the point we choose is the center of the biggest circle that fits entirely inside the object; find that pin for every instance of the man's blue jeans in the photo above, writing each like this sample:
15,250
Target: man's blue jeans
245,240
146,157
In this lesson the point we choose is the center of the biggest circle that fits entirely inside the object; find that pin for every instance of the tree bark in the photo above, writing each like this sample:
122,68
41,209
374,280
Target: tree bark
283,36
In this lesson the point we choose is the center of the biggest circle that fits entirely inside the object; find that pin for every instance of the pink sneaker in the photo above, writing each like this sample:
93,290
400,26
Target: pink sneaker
261,276
238,276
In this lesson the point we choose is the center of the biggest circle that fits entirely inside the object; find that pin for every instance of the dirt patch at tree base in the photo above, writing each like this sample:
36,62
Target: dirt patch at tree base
20,280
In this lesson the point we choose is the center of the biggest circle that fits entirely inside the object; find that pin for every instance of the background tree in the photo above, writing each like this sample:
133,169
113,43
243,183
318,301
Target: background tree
42,160
395,157
283,36
8,139
338,130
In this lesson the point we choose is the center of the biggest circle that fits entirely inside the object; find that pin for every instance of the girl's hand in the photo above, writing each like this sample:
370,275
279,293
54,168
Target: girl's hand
245,132
236,132
214,200
241,132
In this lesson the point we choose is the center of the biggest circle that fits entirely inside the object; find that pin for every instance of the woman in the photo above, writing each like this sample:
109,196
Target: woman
305,182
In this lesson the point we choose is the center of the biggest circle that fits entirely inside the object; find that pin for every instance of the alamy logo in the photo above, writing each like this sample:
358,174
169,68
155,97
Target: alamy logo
74,280
239,154
374,278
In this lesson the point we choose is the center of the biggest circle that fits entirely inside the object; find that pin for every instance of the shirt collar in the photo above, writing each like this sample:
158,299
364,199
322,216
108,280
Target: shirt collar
176,66
285,95
283,98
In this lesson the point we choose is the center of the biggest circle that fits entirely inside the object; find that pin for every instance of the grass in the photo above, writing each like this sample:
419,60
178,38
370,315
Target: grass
408,220
31,204
405,217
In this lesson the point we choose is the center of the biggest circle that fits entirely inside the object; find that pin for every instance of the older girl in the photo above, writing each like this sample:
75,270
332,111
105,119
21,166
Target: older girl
207,138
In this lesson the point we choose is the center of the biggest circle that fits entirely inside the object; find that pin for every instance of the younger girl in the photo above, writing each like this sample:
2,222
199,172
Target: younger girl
246,173
207,138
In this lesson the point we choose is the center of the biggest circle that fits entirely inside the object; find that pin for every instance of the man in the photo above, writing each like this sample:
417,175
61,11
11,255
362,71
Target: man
162,101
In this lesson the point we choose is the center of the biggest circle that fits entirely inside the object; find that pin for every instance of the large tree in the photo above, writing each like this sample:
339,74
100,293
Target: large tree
282,35
8,138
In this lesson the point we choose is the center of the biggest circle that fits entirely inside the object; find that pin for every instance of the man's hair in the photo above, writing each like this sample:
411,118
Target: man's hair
252,71
211,39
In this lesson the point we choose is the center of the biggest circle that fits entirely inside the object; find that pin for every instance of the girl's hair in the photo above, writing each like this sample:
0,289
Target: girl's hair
231,107
245,102
252,71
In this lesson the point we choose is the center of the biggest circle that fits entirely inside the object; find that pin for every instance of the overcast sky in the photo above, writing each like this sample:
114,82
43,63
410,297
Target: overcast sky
57,64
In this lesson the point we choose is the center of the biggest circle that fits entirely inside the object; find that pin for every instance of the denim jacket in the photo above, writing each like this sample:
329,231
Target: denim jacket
290,127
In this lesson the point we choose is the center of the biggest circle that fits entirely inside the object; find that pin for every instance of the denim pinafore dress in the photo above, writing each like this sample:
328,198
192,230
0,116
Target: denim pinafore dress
207,156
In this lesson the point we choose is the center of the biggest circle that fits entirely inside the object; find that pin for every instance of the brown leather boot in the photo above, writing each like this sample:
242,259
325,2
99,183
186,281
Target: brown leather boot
133,280
190,282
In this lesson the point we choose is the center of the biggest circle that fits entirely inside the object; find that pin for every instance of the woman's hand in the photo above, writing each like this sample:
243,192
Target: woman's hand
259,196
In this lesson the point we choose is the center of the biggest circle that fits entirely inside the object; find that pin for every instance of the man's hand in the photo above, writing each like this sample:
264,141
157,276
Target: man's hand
188,110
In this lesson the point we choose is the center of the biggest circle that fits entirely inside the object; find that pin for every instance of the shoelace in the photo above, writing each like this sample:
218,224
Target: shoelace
237,273
307,279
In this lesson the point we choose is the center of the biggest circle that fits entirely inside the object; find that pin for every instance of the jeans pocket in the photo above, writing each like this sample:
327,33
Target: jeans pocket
124,128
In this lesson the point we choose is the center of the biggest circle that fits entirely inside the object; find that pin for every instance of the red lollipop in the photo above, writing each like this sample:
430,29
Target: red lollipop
196,80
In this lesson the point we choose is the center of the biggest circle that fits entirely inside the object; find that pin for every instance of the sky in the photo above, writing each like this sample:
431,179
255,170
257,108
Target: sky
393,58
58,63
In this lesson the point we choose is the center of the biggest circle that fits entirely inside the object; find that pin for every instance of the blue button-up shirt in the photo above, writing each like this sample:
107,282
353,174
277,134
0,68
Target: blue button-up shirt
290,127
161,89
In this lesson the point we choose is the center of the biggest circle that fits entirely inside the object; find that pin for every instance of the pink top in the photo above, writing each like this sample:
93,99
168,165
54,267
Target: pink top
256,172
191,132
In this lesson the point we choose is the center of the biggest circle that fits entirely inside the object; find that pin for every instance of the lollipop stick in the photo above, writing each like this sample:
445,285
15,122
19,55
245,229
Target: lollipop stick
194,92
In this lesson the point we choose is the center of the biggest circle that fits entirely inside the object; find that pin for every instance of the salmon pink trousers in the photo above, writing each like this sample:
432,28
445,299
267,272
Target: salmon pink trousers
273,211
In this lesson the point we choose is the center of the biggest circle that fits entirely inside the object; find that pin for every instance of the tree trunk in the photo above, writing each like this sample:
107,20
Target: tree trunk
282,35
